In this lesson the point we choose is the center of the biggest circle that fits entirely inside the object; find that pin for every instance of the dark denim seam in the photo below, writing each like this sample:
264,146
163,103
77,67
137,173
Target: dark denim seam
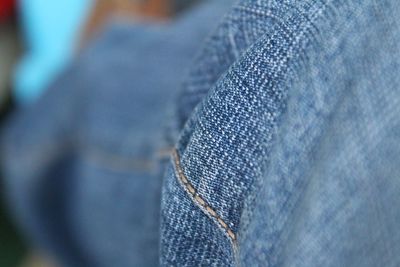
199,200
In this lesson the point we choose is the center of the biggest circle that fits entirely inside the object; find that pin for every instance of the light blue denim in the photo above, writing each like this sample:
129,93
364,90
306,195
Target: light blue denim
289,151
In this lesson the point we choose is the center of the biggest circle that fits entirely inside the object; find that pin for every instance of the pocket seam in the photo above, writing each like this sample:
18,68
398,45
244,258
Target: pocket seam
199,200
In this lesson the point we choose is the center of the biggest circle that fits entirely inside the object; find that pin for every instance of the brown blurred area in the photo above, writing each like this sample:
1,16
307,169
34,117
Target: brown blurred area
103,10
37,260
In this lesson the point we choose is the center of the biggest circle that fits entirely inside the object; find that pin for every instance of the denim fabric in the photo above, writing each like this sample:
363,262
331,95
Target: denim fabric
83,164
285,133
289,153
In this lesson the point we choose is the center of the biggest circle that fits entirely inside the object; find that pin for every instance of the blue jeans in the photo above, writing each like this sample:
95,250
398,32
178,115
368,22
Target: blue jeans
281,147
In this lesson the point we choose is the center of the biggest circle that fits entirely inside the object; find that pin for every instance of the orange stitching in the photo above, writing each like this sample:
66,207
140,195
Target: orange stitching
191,189
211,211
198,199
231,234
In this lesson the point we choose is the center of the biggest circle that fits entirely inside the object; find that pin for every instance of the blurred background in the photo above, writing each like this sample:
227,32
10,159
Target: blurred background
38,39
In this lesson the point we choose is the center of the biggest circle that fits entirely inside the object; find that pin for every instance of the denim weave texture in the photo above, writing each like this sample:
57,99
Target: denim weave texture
288,144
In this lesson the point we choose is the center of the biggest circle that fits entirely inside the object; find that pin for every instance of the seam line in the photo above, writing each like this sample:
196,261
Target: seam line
199,199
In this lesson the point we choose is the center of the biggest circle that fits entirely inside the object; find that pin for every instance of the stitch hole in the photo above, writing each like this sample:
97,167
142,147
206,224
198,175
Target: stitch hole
200,200
211,212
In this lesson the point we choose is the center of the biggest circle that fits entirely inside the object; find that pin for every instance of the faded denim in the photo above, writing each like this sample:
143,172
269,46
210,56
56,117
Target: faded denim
289,147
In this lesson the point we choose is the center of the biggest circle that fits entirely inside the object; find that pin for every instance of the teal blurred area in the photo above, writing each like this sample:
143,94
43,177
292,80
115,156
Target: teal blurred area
50,30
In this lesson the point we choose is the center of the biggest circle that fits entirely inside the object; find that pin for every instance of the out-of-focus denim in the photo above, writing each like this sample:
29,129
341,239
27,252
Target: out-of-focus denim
83,163
289,153
286,146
